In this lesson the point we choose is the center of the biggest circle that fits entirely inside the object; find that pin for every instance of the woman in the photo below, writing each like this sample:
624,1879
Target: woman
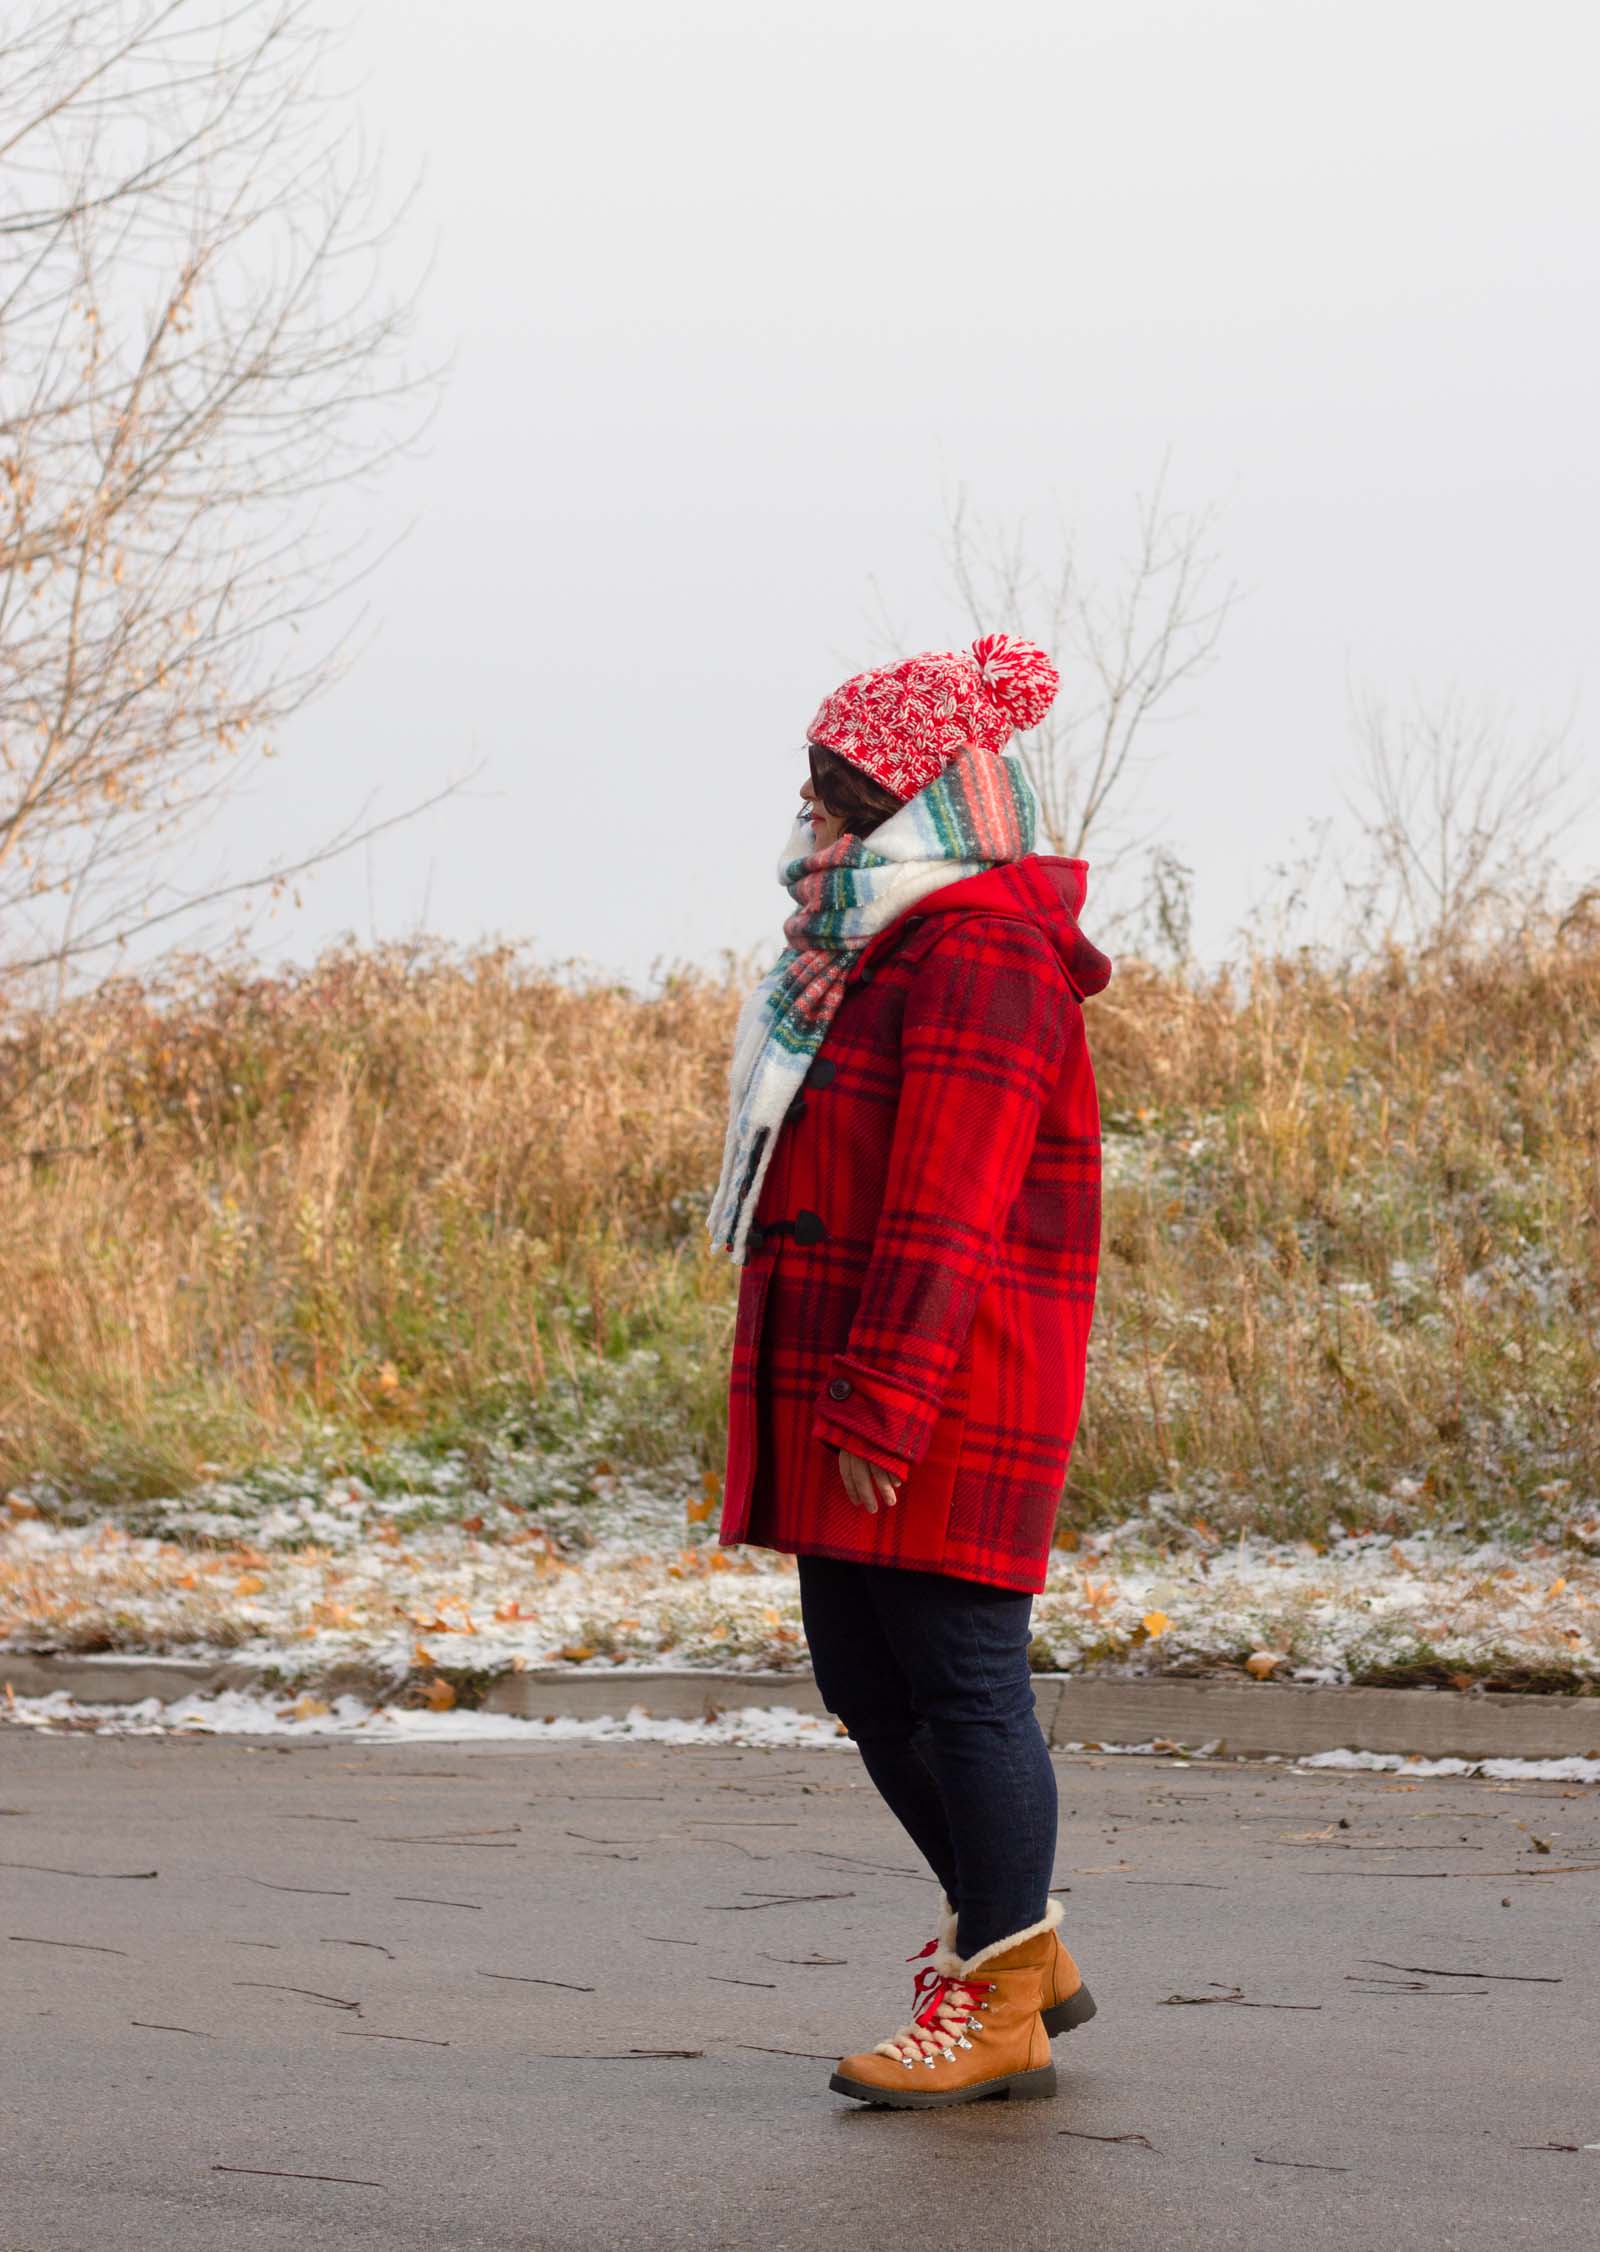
911,1180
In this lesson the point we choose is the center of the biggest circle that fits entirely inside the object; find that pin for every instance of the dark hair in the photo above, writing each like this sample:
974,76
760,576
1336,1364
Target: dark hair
857,802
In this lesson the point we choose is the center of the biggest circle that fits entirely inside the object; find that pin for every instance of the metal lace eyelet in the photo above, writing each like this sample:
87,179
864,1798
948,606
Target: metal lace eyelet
963,2043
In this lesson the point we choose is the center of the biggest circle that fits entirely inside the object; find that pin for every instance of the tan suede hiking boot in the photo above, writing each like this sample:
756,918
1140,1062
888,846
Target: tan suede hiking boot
978,2033
1067,2001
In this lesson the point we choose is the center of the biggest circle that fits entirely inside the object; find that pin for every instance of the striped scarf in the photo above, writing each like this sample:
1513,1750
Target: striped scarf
979,812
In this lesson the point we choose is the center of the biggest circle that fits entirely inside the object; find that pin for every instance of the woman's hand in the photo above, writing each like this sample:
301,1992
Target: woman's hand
867,1483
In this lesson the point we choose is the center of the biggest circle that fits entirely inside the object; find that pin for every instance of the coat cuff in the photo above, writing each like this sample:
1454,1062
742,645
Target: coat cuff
869,1413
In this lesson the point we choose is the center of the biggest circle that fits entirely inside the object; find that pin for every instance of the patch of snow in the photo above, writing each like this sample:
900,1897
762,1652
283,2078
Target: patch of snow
1164,1749
236,1712
1569,1770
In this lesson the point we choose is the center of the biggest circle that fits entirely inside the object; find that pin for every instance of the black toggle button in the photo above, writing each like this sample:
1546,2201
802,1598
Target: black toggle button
822,1072
756,1240
809,1228
839,1389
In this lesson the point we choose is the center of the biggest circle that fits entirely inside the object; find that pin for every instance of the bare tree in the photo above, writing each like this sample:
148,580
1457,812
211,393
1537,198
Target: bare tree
1460,820
196,358
1123,651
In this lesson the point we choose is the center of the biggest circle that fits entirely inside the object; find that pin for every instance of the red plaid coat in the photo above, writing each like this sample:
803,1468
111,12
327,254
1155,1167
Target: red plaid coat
922,1273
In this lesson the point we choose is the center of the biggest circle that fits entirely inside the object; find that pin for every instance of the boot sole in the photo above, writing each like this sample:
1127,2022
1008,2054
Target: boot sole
1077,2009
1022,2087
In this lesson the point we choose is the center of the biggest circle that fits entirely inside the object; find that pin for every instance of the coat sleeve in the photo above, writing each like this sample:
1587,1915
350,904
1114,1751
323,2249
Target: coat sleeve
982,1041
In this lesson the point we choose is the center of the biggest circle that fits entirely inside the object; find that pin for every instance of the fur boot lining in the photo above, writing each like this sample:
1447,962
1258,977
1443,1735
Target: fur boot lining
1047,1922
946,1961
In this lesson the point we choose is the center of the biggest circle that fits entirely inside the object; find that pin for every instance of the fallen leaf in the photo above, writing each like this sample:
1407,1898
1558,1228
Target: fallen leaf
1264,1663
575,1653
440,1694
1155,1623
248,1584
307,1707
422,1657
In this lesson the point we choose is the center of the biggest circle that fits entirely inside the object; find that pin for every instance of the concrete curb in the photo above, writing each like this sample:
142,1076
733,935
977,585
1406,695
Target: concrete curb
1256,1718
1249,1719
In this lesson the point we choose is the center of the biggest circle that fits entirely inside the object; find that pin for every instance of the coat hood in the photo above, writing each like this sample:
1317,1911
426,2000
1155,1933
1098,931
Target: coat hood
1040,889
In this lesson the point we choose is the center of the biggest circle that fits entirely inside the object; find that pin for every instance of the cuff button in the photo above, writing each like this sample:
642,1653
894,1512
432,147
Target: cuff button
839,1389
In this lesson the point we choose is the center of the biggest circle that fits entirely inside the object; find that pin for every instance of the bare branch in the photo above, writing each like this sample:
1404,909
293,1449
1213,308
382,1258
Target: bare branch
1460,820
1123,652
195,349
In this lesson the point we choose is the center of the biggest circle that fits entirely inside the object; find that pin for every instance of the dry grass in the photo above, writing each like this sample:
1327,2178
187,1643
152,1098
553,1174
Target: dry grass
1354,1240
375,1198
1352,1234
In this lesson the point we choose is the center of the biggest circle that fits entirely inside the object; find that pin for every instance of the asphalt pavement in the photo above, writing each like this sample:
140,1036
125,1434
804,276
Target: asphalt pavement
281,1998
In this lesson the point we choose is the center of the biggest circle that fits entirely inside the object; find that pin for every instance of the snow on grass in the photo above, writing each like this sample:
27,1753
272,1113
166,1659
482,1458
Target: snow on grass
1367,1607
438,1583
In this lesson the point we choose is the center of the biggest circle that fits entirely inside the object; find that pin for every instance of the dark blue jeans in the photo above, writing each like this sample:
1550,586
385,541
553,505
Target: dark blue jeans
930,1676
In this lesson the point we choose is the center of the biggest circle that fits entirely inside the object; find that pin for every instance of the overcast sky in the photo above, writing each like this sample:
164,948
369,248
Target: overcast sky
742,293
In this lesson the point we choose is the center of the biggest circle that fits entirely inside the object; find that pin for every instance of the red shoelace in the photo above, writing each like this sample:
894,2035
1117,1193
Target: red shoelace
946,2013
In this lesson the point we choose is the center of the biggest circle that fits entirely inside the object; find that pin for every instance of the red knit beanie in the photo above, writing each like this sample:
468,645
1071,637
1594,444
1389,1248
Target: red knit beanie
904,723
